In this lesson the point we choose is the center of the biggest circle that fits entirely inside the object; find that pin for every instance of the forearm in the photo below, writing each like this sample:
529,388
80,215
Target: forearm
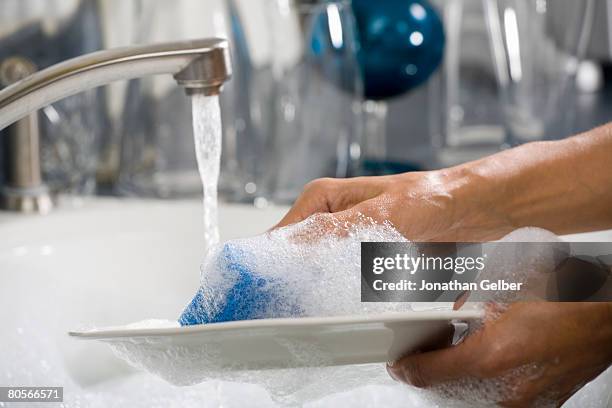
564,186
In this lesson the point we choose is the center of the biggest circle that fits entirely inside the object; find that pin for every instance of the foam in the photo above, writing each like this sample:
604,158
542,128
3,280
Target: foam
278,274
528,264
291,264
302,270
286,386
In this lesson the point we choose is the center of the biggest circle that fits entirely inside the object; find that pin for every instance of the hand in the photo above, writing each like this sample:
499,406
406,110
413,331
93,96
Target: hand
484,199
562,346
423,206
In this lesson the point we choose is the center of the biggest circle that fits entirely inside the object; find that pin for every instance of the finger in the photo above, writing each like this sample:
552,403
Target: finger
315,198
339,224
332,196
307,204
435,367
461,299
564,399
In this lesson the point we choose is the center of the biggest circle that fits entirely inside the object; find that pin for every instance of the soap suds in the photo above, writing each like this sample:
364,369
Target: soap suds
293,269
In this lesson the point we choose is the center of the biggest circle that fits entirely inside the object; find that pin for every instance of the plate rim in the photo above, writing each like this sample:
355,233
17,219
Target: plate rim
275,323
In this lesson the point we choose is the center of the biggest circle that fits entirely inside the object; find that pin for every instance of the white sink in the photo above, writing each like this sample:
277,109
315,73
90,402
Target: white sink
110,262
103,262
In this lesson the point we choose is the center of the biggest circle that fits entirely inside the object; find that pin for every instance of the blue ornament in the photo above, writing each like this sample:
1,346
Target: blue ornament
401,44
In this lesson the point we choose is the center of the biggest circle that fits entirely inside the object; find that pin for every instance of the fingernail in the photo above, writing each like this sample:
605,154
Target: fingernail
394,373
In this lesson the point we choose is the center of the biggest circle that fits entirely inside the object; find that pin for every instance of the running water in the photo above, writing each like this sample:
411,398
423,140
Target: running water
207,134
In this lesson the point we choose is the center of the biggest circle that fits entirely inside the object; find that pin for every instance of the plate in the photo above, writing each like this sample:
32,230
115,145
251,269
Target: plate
277,343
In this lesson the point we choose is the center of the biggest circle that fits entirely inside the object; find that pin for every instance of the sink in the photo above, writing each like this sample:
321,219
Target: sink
102,262
112,262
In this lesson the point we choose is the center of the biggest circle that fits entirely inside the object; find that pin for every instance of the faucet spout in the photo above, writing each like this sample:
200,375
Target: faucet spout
198,65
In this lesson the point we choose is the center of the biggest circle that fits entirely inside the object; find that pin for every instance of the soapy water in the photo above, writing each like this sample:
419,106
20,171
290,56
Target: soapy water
527,263
269,276
206,114
31,357
290,271
34,360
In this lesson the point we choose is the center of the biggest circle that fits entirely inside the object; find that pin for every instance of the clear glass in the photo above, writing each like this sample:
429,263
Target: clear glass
297,93
152,116
71,130
508,75
537,45
471,112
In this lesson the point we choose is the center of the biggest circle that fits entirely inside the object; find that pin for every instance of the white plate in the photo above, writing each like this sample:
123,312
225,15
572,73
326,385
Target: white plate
278,343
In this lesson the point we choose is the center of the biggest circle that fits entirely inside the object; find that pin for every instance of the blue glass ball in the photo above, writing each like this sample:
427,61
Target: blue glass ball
401,44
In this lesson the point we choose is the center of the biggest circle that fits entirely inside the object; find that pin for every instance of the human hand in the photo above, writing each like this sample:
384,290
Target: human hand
557,348
423,206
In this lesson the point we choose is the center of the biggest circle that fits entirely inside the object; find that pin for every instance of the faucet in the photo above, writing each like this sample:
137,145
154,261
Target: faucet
200,66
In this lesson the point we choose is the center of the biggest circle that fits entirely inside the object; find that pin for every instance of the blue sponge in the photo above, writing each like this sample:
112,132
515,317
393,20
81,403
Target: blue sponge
251,296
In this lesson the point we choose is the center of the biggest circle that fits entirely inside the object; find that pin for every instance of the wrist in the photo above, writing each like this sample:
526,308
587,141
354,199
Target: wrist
478,203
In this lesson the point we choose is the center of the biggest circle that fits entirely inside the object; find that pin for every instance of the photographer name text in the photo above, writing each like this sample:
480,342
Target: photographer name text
423,285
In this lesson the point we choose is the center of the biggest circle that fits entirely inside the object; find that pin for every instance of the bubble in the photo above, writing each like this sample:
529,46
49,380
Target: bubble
308,269
291,263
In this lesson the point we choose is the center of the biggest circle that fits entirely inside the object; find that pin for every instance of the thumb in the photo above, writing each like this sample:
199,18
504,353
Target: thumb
434,367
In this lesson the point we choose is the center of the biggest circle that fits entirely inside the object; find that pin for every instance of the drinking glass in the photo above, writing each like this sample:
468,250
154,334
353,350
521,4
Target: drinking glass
471,113
152,115
297,93
508,75
537,45
72,129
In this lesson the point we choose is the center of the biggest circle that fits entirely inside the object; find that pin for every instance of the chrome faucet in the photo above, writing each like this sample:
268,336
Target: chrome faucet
23,190
201,66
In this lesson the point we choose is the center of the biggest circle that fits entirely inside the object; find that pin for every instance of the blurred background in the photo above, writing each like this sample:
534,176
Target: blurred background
320,88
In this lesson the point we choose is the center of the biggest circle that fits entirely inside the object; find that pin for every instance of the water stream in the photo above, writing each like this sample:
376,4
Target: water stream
207,135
